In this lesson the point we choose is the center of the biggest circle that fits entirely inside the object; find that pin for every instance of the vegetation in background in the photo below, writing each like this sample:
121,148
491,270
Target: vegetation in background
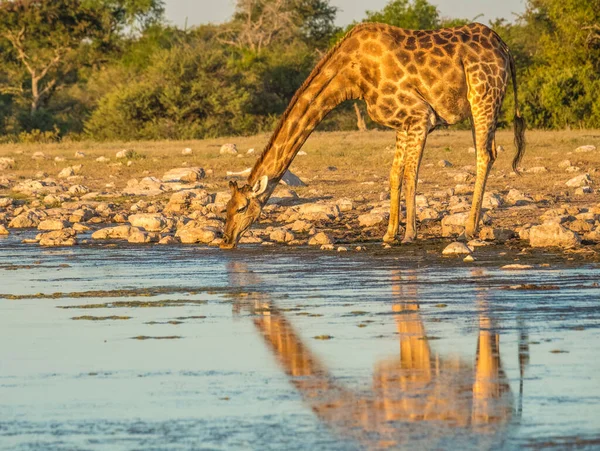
114,69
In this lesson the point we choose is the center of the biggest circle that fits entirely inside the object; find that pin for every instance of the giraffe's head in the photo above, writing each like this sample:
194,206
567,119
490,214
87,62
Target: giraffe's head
242,210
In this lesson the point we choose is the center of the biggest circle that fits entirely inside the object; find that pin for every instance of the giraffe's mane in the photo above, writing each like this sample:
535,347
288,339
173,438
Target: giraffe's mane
315,72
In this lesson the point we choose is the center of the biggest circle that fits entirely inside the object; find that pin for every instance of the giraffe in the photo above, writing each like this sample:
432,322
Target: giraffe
412,81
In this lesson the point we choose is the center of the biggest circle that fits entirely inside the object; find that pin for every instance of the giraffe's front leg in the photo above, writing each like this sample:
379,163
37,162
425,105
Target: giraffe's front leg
415,145
396,174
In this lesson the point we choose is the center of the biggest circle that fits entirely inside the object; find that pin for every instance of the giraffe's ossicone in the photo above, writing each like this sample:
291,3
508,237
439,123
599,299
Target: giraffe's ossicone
412,81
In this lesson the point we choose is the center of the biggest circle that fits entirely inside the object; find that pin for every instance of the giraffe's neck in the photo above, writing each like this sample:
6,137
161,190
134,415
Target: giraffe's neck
321,93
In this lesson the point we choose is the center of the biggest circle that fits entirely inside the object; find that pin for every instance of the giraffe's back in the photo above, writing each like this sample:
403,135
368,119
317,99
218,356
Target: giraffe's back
397,70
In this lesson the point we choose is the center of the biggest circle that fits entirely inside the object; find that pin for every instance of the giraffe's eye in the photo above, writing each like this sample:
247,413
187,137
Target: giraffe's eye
243,208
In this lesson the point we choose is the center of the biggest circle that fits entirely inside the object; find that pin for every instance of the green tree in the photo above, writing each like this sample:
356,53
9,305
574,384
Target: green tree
415,14
45,43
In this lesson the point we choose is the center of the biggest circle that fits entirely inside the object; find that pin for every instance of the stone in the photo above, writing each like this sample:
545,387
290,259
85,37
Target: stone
516,267
6,202
300,226
53,224
580,226
537,170
6,163
186,151
585,149
317,212
553,235
517,198
428,214
444,164
148,186
281,236
319,239
564,164
463,177
139,237
290,179
118,232
25,220
82,215
469,259
228,149
196,235
573,169
169,239
65,237
151,222
188,175
38,156
79,190
125,153
66,173
302,153
457,248
102,159
492,200
496,234
584,190
250,151
345,204
580,180
454,224
3,230
371,219
79,155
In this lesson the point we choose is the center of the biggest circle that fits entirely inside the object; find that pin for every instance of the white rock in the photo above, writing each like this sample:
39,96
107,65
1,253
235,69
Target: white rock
186,151
320,238
580,180
66,173
189,175
151,222
79,155
371,219
38,156
551,235
228,149
457,248
250,151
102,159
125,153
291,179
585,149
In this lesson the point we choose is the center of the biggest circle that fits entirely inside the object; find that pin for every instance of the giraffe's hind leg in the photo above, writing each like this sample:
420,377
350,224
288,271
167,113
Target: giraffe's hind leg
484,124
396,174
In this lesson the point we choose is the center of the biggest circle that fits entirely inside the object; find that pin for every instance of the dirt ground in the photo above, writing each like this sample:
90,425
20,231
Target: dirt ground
336,165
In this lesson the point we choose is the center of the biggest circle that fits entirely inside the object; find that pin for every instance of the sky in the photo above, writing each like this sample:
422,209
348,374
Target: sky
203,11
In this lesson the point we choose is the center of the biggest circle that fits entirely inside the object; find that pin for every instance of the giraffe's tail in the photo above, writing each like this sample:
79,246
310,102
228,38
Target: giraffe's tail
519,122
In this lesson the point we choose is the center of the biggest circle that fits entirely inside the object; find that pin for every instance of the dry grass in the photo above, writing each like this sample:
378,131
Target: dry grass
337,162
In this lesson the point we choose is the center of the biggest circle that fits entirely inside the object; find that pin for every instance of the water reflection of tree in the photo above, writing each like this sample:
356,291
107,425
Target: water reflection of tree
428,395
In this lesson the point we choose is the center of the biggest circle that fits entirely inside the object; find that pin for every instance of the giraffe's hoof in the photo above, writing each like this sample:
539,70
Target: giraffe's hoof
408,239
388,238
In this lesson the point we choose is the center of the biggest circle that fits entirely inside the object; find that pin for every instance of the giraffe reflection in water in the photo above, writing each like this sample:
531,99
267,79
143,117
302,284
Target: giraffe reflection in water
421,392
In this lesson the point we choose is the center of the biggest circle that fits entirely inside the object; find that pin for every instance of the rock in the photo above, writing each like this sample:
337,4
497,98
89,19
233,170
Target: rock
517,198
65,237
6,163
317,212
580,180
79,155
326,247
319,239
196,235
66,173
189,175
516,266
471,150
80,228
469,259
302,153
551,235
102,159
168,240
148,186
228,149
585,149
564,164
290,179
151,222
573,169
463,177
35,187
301,226
250,151
492,200
38,156
6,202
139,237
53,224
454,224
537,170
457,248
25,220
83,214
496,234
118,232
79,190
59,159
428,214
186,151
580,226
125,153
345,204
281,236
3,230
246,172
444,164
371,219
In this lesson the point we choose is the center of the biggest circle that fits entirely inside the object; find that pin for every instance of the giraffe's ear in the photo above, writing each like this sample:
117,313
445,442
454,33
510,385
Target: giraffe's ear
260,186
233,185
